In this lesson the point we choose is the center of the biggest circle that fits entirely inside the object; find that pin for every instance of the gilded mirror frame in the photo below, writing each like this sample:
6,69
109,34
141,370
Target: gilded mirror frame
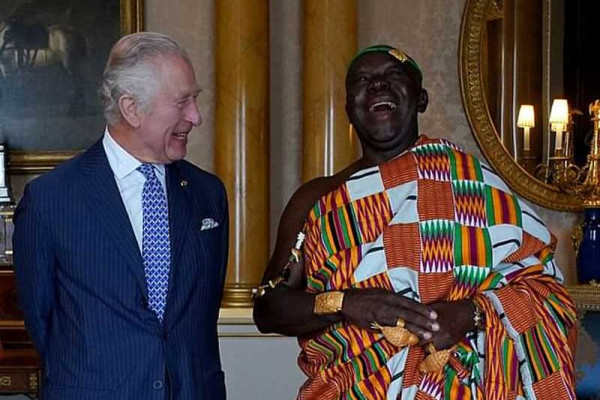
480,121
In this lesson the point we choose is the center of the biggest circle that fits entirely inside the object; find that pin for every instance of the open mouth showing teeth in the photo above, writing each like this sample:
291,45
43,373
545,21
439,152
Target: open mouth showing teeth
181,135
382,106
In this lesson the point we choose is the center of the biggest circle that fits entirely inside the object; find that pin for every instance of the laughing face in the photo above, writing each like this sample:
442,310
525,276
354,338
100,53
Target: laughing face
163,132
383,97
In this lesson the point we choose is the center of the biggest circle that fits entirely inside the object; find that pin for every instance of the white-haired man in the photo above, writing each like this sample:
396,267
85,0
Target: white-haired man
120,253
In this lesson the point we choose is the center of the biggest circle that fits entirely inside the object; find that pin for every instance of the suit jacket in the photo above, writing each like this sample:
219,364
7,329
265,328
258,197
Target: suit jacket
82,288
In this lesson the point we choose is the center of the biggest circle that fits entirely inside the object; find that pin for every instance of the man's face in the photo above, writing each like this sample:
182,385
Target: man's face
383,96
163,132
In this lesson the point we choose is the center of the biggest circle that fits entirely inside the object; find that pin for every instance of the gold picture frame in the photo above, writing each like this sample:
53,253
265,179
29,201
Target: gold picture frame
131,20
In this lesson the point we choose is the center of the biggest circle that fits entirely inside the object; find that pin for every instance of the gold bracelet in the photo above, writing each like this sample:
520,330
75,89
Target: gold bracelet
478,317
329,303
294,258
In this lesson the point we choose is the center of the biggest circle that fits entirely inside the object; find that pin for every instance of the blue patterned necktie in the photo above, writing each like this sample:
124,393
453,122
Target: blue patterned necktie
156,244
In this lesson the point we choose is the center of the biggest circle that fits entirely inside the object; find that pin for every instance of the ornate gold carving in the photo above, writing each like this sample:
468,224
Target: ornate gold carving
586,297
397,335
472,91
33,382
591,187
398,55
329,303
576,238
496,10
436,360
5,381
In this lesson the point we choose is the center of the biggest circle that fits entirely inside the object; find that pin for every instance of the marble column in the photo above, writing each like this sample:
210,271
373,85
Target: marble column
242,139
330,42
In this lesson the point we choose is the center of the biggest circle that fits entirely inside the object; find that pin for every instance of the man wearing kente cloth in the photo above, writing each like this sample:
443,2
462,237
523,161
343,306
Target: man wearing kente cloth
415,273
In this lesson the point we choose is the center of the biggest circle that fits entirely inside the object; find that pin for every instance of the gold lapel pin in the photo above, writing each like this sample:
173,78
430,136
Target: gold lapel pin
183,183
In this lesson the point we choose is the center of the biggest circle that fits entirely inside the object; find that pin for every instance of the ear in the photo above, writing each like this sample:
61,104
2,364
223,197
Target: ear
128,106
423,101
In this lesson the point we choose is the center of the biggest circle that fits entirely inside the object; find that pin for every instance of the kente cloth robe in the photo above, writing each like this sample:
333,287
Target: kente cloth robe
436,224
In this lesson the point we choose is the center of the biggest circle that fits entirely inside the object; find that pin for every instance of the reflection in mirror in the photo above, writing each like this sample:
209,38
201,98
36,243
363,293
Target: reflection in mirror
535,52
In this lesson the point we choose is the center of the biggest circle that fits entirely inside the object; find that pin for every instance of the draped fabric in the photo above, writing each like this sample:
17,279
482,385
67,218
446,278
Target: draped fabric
436,224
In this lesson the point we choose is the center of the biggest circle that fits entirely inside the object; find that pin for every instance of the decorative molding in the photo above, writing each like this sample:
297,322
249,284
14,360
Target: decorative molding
473,96
36,162
586,297
237,295
132,16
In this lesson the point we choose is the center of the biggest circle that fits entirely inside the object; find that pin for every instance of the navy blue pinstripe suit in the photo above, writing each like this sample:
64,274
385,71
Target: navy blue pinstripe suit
81,286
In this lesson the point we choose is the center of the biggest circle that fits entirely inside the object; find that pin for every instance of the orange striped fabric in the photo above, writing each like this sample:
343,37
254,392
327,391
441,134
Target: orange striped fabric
438,239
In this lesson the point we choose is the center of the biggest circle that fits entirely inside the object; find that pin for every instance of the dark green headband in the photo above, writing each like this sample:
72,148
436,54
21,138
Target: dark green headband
397,54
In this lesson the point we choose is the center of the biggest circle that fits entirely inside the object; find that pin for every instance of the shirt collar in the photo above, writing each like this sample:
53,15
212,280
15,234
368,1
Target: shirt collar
121,162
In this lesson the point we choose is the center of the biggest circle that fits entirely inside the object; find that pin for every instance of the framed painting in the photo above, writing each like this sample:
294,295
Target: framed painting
587,356
52,54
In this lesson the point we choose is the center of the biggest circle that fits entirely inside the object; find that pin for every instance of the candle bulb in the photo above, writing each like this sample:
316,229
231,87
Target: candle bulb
558,140
526,120
559,118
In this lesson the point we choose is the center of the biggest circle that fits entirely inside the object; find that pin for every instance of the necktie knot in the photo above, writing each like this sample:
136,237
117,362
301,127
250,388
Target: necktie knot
148,171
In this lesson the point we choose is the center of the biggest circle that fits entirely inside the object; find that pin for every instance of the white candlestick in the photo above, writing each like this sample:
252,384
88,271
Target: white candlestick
526,139
558,142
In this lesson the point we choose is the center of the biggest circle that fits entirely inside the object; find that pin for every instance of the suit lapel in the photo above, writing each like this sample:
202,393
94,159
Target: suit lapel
180,211
102,194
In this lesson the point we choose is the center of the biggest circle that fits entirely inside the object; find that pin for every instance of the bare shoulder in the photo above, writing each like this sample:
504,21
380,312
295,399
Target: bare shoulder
308,194
296,212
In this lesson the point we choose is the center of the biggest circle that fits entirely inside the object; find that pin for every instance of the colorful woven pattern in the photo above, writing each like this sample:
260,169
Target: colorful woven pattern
437,224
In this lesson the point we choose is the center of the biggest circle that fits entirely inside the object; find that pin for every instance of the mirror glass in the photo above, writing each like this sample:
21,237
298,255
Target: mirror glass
536,51
517,58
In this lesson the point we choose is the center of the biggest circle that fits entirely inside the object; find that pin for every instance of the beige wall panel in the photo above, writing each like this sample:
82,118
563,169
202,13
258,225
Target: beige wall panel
192,24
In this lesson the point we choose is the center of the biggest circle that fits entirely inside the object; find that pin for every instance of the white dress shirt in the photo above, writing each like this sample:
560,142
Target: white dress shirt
130,181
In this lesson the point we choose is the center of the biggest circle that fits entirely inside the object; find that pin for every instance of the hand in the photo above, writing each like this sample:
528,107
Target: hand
363,306
455,319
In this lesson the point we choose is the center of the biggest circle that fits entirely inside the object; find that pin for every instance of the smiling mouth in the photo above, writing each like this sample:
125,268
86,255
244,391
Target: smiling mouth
181,135
382,106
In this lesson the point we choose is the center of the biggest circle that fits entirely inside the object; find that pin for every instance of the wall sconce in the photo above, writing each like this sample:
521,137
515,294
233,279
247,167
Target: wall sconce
559,170
559,118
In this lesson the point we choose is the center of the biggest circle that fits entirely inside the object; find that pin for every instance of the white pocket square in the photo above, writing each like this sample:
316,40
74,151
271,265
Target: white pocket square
208,223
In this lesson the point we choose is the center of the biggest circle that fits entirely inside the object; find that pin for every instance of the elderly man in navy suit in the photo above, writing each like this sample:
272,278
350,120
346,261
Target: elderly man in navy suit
121,253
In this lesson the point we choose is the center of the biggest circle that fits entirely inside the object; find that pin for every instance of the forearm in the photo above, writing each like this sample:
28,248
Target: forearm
290,312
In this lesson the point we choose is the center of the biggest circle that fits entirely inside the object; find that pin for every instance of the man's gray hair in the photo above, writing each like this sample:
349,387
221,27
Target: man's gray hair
132,69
